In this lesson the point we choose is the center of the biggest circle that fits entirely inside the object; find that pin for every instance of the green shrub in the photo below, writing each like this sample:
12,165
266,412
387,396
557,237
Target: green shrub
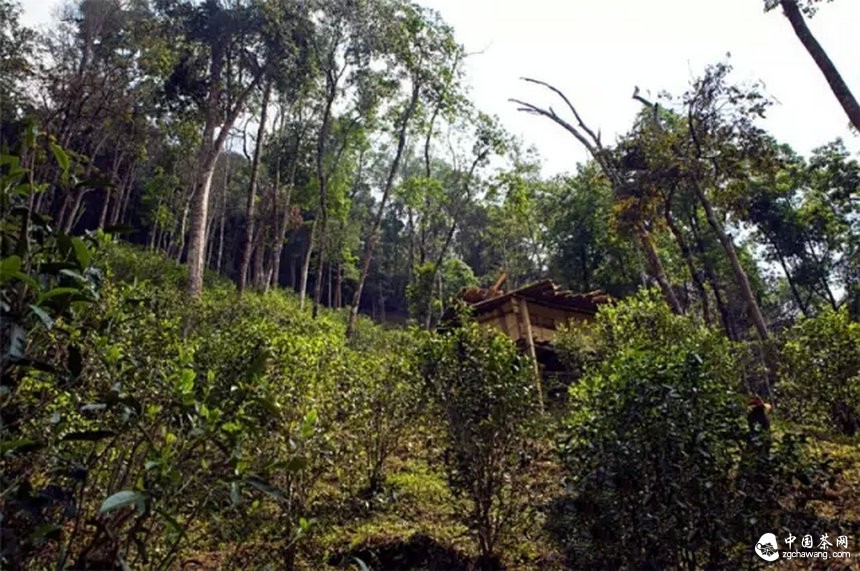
820,380
661,469
484,392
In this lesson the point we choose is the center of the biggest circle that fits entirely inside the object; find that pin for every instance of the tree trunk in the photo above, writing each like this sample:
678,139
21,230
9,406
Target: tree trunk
791,285
128,186
740,275
831,74
220,256
306,265
713,281
322,178
245,257
259,272
278,248
338,287
656,267
177,253
373,237
330,300
688,259
209,150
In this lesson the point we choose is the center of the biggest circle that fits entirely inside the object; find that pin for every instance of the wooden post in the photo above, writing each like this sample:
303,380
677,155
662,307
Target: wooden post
526,332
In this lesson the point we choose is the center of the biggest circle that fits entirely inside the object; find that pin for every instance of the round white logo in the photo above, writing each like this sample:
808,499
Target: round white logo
767,547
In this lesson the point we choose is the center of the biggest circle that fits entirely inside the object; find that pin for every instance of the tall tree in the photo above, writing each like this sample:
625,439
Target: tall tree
614,172
422,45
248,242
793,11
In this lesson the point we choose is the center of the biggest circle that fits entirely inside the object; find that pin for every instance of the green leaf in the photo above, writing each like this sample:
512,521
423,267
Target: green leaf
9,267
62,156
49,530
21,276
9,160
20,446
121,500
82,254
185,383
309,424
43,316
56,292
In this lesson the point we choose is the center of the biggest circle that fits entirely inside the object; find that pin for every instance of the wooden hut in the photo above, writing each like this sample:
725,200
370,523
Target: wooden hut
532,314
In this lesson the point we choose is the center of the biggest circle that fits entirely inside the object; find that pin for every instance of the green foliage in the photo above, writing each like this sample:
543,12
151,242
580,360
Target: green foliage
820,374
483,390
454,276
661,470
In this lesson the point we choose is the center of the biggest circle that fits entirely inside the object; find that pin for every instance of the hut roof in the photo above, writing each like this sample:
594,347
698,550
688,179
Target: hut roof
547,293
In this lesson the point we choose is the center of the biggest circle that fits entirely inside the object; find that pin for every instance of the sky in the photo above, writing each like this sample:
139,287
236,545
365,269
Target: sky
597,51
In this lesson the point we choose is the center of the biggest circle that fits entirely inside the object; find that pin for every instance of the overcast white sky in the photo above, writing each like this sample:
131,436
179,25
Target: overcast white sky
596,51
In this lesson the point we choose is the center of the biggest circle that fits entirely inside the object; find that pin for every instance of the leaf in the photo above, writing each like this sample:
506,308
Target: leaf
88,435
264,486
121,500
9,267
308,424
9,160
17,342
21,276
94,407
62,156
56,292
82,254
49,530
43,316
185,383
361,564
20,446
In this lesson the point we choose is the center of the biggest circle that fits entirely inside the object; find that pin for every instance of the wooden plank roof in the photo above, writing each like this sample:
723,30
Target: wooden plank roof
548,293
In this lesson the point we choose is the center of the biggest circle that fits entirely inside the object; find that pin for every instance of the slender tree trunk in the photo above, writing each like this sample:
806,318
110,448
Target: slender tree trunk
656,267
221,226
259,248
713,281
183,225
373,236
791,285
105,205
306,265
330,300
209,151
688,259
740,274
822,60
245,257
332,78
128,186
278,248
338,287
441,259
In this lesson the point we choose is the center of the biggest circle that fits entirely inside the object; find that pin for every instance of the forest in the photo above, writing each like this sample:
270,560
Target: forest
240,251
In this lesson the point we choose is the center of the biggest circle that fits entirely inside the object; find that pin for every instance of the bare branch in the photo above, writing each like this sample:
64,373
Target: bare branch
570,106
